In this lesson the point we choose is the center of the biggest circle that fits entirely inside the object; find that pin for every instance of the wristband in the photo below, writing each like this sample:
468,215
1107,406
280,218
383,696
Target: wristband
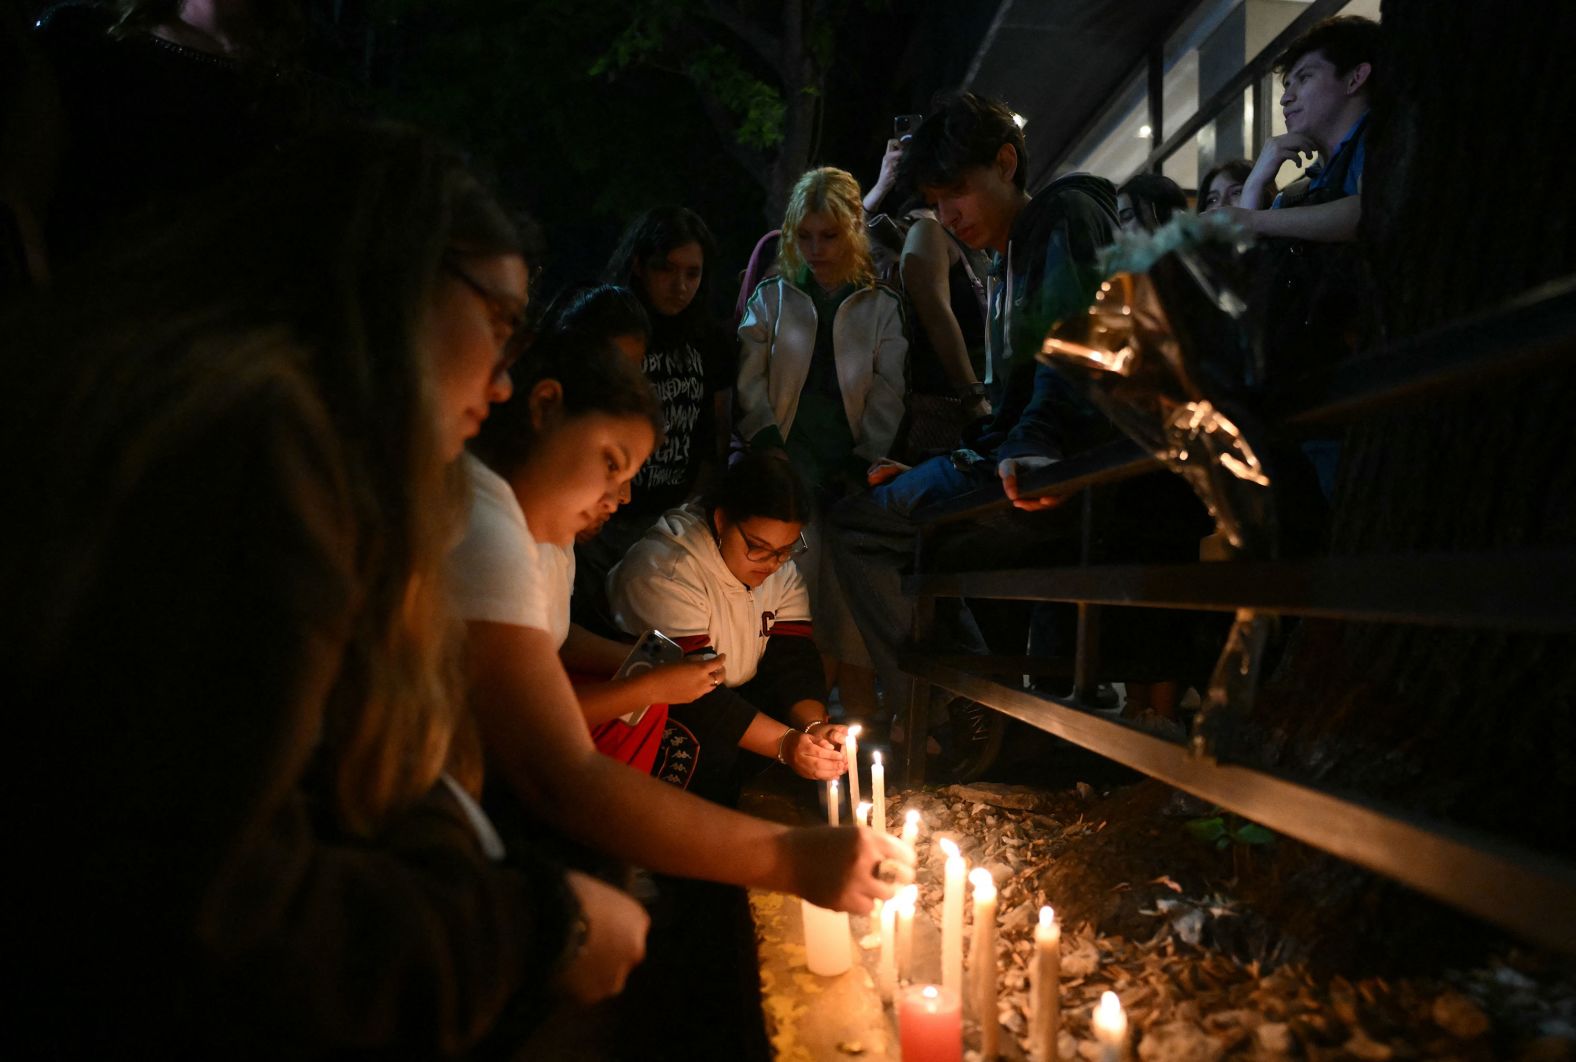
780,742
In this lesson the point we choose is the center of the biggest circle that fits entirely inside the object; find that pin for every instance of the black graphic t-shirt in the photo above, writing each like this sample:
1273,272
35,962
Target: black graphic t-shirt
686,374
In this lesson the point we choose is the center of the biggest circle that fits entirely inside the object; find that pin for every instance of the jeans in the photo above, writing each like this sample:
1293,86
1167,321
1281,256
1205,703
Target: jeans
873,536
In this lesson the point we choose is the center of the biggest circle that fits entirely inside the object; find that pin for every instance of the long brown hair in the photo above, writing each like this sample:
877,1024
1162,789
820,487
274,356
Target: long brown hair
337,246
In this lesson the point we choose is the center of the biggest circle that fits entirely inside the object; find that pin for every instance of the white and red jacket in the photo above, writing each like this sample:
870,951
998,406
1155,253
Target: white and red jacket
674,580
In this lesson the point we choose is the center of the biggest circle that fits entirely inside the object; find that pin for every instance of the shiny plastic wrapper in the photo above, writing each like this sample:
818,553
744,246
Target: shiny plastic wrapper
1170,354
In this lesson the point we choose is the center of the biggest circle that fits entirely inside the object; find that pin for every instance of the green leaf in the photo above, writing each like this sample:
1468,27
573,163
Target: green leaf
1207,830
1252,833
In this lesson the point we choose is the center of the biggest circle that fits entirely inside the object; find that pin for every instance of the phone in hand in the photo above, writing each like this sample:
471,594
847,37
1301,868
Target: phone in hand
652,649
904,126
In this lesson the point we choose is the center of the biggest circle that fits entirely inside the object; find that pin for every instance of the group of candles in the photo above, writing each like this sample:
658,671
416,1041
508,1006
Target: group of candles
930,1017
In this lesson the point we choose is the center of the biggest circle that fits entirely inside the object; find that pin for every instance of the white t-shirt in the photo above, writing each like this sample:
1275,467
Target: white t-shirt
499,573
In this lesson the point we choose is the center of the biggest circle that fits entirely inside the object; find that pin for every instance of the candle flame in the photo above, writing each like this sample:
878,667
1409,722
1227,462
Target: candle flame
1047,917
833,784
906,898
855,730
912,818
875,758
1109,1013
863,810
982,881
930,992
950,847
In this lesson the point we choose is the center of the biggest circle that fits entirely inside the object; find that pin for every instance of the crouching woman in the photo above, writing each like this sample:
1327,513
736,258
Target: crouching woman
717,576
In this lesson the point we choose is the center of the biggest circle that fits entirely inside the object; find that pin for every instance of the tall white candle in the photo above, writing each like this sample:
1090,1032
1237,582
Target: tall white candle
886,971
862,813
952,917
907,898
1045,980
910,827
851,751
1109,1025
982,961
878,792
832,812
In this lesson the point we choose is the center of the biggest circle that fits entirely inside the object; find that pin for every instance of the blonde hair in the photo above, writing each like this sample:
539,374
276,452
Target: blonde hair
835,193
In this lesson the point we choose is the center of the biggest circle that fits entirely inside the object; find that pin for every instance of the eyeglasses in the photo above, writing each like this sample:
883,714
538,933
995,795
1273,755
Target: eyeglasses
759,551
508,317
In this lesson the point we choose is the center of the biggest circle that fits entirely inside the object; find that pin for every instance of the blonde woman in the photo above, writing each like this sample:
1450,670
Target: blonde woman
821,376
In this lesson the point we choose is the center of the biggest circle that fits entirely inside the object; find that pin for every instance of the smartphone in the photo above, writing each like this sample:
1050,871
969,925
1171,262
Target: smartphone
904,126
652,649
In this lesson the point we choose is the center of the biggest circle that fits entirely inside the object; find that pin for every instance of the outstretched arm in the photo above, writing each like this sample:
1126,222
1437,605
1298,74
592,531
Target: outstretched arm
537,735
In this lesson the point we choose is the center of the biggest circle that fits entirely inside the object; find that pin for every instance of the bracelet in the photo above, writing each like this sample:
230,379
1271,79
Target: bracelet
814,723
780,742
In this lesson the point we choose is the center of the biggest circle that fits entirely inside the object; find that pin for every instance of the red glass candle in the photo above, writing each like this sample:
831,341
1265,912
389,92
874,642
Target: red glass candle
930,1024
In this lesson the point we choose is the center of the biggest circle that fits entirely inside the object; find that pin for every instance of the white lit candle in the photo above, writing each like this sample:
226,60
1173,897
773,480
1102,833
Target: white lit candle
982,961
886,971
1045,979
878,792
851,751
832,812
907,898
911,828
1109,1025
952,917
862,813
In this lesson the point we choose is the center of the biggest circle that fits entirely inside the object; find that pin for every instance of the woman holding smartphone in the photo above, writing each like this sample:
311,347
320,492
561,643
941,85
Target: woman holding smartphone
557,458
718,576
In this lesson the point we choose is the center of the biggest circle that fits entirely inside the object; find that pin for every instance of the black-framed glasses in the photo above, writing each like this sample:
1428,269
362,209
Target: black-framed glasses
507,315
758,551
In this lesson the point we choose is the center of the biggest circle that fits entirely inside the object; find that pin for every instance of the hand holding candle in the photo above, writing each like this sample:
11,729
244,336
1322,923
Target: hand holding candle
982,961
952,917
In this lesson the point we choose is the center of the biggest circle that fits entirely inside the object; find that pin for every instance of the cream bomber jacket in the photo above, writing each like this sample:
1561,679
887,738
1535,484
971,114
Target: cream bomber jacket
777,340
674,580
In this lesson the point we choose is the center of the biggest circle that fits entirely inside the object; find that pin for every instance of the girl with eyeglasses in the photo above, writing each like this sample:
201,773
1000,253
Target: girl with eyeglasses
547,465
227,646
717,576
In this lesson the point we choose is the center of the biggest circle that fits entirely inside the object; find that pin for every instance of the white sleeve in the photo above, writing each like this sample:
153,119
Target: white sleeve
644,596
884,405
496,573
753,395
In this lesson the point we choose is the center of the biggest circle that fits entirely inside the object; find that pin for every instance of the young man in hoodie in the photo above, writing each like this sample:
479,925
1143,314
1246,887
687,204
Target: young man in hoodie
968,160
